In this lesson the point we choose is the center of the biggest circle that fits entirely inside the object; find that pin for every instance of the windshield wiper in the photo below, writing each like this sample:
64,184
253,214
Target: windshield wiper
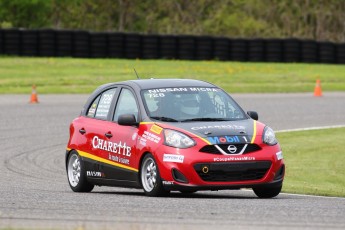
164,119
206,119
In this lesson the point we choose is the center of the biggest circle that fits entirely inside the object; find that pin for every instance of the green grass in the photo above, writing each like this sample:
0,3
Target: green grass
72,75
314,162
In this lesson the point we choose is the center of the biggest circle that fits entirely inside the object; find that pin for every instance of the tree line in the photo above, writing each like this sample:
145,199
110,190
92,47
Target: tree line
321,20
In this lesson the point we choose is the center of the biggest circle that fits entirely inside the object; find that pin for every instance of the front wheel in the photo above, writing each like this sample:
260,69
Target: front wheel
150,178
76,174
267,191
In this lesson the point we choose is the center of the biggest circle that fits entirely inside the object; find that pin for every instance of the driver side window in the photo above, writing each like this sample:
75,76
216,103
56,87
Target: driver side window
126,105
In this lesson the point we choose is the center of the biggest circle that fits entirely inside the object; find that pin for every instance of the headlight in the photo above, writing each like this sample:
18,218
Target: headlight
269,137
176,139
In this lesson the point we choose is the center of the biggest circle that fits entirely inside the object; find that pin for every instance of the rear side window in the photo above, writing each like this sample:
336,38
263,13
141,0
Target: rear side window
100,106
92,110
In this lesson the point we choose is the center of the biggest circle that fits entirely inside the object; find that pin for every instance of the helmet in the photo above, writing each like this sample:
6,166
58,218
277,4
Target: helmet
190,106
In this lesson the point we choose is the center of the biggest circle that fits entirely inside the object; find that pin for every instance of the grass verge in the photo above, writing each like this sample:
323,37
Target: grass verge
73,75
314,162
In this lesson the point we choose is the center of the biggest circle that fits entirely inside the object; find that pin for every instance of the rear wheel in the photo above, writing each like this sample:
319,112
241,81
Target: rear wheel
267,191
76,174
150,178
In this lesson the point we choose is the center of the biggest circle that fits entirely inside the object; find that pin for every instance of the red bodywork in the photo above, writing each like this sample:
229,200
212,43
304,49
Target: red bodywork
106,143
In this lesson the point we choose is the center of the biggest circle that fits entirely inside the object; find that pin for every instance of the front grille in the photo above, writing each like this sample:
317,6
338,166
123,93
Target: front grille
232,171
249,148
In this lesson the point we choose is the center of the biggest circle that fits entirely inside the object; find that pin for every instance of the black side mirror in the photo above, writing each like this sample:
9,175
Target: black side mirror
254,115
127,120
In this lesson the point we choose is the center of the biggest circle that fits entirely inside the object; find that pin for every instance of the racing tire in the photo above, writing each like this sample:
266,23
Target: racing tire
76,174
150,177
267,191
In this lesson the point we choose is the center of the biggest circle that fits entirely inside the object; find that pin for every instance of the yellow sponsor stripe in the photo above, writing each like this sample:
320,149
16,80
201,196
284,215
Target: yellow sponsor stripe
93,157
254,132
146,122
209,143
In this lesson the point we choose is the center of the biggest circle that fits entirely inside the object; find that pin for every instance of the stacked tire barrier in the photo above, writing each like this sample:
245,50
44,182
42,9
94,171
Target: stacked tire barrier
84,44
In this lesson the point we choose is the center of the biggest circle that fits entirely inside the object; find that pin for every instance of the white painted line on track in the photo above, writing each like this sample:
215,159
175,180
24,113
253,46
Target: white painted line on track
317,196
302,195
311,128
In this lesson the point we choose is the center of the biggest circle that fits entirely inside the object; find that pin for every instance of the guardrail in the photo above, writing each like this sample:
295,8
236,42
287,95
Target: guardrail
85,44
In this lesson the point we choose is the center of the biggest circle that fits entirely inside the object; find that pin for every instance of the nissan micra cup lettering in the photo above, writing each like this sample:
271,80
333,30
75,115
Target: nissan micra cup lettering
165,135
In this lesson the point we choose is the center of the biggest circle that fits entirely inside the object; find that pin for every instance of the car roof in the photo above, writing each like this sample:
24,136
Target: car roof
165,83
142,84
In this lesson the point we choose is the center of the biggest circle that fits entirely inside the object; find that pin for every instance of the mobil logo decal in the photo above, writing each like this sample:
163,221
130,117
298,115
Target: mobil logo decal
224,139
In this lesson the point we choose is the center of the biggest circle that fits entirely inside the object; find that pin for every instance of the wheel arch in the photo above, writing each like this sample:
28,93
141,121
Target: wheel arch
82,185
141,163
68,153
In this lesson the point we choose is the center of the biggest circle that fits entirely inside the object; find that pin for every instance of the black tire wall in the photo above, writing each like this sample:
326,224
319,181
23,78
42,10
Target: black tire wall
46,43
64,43
85,44
29,44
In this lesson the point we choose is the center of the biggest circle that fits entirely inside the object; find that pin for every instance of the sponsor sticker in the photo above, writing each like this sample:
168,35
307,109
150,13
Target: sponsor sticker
167,90
118,159
134,136
279,155
151,137
224,139
113,147
156,129
94,174
225,159
191,89
167,182
231,127
173,158
142,141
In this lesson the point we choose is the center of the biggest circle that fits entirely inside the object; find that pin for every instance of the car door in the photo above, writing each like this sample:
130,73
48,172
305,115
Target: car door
94,133
124,139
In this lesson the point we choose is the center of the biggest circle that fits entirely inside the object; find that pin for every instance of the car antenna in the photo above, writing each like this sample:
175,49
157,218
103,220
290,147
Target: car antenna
136,73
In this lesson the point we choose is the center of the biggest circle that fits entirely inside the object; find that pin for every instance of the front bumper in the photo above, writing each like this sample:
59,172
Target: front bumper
188,187
223,172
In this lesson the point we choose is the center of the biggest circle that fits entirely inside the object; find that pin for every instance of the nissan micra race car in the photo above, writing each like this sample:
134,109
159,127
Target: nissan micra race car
165,135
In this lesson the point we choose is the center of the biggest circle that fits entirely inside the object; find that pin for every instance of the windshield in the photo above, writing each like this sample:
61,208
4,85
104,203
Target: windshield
191,104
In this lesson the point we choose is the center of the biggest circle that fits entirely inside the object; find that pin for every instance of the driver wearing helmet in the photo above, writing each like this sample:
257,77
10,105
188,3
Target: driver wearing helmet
189,107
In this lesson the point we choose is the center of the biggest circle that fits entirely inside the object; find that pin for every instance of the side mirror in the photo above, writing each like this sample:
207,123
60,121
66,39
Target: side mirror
254,115
127,120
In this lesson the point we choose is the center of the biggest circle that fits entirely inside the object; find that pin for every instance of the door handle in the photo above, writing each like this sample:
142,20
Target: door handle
109,135
82,131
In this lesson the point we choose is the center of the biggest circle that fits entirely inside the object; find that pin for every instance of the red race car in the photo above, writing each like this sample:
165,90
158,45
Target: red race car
171,134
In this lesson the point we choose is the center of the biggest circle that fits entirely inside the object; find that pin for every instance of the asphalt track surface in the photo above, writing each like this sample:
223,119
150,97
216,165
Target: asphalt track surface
34,192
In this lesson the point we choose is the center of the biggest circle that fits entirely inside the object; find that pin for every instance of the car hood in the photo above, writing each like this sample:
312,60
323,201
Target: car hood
220,132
